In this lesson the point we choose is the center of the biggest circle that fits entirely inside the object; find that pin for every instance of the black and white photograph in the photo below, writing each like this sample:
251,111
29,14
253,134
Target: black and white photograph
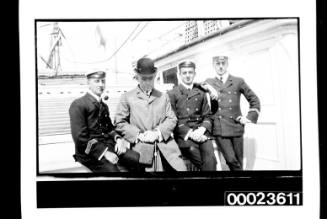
183,111
248,120
169,98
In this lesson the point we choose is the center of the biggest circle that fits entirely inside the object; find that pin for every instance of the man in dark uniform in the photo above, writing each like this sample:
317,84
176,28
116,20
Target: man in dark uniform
229,123
193,129
97,145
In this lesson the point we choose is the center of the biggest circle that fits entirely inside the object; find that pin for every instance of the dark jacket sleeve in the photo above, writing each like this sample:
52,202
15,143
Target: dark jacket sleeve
79,130
112,133
206,112
213,103
181,128
254,102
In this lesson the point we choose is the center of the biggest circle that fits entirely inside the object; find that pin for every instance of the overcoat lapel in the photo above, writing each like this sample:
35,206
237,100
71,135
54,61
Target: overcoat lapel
140,94
154,95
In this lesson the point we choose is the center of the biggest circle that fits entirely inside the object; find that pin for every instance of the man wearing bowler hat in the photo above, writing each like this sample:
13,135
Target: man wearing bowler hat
144,115
226,89
193,130
97,145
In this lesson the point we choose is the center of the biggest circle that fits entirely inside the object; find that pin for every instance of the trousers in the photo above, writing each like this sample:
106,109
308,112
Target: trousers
127,160
201,155
232,150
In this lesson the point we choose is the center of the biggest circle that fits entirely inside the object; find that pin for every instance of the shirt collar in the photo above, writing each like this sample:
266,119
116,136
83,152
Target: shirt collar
224,77
148,93
187,86
94,95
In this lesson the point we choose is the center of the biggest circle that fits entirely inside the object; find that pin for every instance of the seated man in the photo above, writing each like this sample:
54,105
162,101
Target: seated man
193,129
144,114
97,145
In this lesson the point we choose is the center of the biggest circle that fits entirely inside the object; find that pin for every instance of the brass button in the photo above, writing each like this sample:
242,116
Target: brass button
230,108
229,92
219,117
196,98
197,109
219,100
231,117
230,100
188,109
219,108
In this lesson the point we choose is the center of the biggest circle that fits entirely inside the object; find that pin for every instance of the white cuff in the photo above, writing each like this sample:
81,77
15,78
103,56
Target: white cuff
160,135
202,128
188,134
254,110
105,150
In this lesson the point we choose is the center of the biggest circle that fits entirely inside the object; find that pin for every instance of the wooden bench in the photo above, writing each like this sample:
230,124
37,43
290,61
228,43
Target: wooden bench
56,156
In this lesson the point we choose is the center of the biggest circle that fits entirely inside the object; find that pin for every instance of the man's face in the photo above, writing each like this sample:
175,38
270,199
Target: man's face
146,82
187,75
97,85
220,66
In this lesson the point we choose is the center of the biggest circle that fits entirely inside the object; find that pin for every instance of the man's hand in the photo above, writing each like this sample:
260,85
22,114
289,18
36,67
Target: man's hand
150,136
198,135
212,92
120,148
243,120
111,157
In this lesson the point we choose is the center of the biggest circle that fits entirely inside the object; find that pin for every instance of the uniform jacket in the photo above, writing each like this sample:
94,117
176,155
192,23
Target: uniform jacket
229,93
136,113
90,120
192,110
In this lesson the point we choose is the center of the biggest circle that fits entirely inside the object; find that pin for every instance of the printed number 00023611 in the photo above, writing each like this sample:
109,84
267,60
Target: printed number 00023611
238,198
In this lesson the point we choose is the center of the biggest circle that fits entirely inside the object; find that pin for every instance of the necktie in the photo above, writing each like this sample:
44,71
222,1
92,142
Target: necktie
221,79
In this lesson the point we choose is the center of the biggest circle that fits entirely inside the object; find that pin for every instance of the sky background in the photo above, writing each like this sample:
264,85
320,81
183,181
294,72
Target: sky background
122,43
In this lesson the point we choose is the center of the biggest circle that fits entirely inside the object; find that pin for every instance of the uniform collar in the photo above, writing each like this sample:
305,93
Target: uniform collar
190,93
224,77
94,95
190,87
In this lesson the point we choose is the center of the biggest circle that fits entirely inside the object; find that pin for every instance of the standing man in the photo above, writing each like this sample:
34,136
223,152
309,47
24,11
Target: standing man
144,114
193,129
228,120
97,145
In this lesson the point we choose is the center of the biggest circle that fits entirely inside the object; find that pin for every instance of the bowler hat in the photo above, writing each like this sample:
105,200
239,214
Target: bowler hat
145,66
95,74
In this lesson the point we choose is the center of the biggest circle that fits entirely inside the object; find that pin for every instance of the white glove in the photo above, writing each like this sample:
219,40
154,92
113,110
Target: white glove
148,136
198,135
243,120
120,148
212,91
111,157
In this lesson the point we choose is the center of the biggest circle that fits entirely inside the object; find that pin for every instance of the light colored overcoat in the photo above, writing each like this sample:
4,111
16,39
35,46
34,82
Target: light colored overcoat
137,113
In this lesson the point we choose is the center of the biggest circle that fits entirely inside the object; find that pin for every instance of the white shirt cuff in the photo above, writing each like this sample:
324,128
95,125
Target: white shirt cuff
105,150
187,135
160,135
